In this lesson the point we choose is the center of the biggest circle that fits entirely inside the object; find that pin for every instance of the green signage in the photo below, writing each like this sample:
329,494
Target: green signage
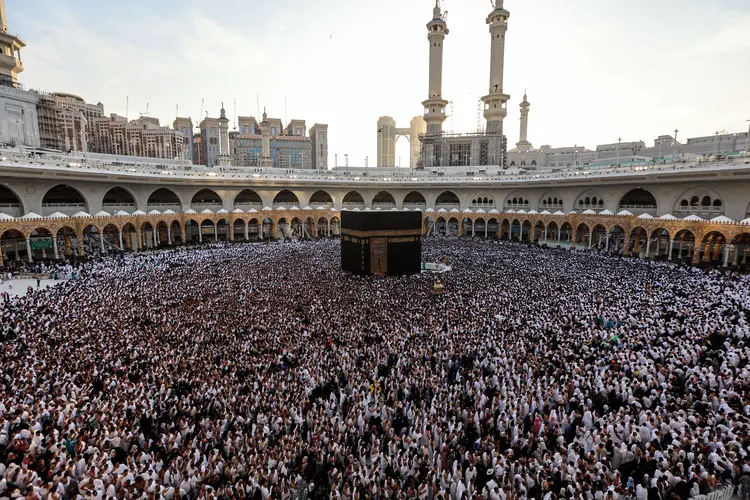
42,244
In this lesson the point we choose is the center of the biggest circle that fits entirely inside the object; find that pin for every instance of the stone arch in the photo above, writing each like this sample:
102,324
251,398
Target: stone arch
415,199
247,199
589,200
639,200
699,200
321,198
441,226
447,200
285,198
493,228
10,203
64,198
712,247
583,233
118,198
482,199
13,246
517,201
353,199
479,227
206,199
553,231
222,229
538,234
452,226
208,231
384,200
163,199
551,200
741,250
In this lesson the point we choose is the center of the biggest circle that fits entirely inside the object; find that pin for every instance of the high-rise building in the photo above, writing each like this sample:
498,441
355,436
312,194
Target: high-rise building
319,138
142,137
270,144
185,126
64,121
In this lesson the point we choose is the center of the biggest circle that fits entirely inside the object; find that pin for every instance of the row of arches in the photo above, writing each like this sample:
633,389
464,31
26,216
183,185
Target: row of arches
659,244
67,242
68,200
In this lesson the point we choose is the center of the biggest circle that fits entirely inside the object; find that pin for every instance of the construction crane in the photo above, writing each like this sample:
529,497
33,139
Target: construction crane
146,113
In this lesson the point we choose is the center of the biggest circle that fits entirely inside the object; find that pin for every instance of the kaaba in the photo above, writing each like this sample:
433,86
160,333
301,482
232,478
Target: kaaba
381,243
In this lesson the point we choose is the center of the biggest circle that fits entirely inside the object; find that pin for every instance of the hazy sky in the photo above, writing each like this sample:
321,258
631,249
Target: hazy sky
595,70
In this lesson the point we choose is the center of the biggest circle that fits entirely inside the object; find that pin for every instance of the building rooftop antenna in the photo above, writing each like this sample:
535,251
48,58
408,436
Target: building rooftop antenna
146,113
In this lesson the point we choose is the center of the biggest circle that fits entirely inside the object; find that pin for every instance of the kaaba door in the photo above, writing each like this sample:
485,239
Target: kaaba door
378,256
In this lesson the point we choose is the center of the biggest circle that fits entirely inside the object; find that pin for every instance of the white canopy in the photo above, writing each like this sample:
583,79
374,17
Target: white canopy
307,208
81,214
494,211
31,215
102,214
606,212
480,211
207,211
722,219
154,212
222,211
169,211
558,213
7,217
694,218
56,215
667,217
624,213
589,212
546,212
122,213
238,211
533,212
141,212
645,216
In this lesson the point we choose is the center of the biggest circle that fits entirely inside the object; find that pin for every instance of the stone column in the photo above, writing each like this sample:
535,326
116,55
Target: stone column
68,244
260,229
726,255
216,232
184,234
169,236
231,232
153,232
707,252
559,237
472,229
119,236
247,233
671,247
545,235
606,244
138,241
29,255
200,233
648,248
81,251
54,247
591,239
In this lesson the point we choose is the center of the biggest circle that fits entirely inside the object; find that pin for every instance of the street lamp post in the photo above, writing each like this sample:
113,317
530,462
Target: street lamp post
346,156
619,141
716,136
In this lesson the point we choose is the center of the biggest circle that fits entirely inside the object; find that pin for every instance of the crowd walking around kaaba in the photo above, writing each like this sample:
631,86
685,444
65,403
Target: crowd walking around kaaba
263,371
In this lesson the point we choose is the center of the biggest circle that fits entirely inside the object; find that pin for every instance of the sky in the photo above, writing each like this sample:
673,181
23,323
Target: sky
594,70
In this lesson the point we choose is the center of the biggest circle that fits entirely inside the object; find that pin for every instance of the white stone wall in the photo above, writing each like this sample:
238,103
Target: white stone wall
18,117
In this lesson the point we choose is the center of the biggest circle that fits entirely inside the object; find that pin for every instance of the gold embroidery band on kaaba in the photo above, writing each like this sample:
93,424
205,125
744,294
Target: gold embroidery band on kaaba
382,233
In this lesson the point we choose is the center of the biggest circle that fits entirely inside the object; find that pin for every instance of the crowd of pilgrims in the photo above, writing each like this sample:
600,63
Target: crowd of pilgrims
264,371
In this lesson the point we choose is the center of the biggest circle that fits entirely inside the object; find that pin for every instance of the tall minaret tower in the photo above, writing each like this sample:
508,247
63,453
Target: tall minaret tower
523,144
496,101
265,130
434,106
10,48
224,158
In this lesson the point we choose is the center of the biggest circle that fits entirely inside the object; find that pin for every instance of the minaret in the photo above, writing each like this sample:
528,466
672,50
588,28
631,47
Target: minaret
523,144
496,101
265,130
10,48
224,159
434,106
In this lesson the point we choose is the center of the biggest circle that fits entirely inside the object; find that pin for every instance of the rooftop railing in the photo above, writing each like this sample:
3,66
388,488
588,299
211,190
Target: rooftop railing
10,159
